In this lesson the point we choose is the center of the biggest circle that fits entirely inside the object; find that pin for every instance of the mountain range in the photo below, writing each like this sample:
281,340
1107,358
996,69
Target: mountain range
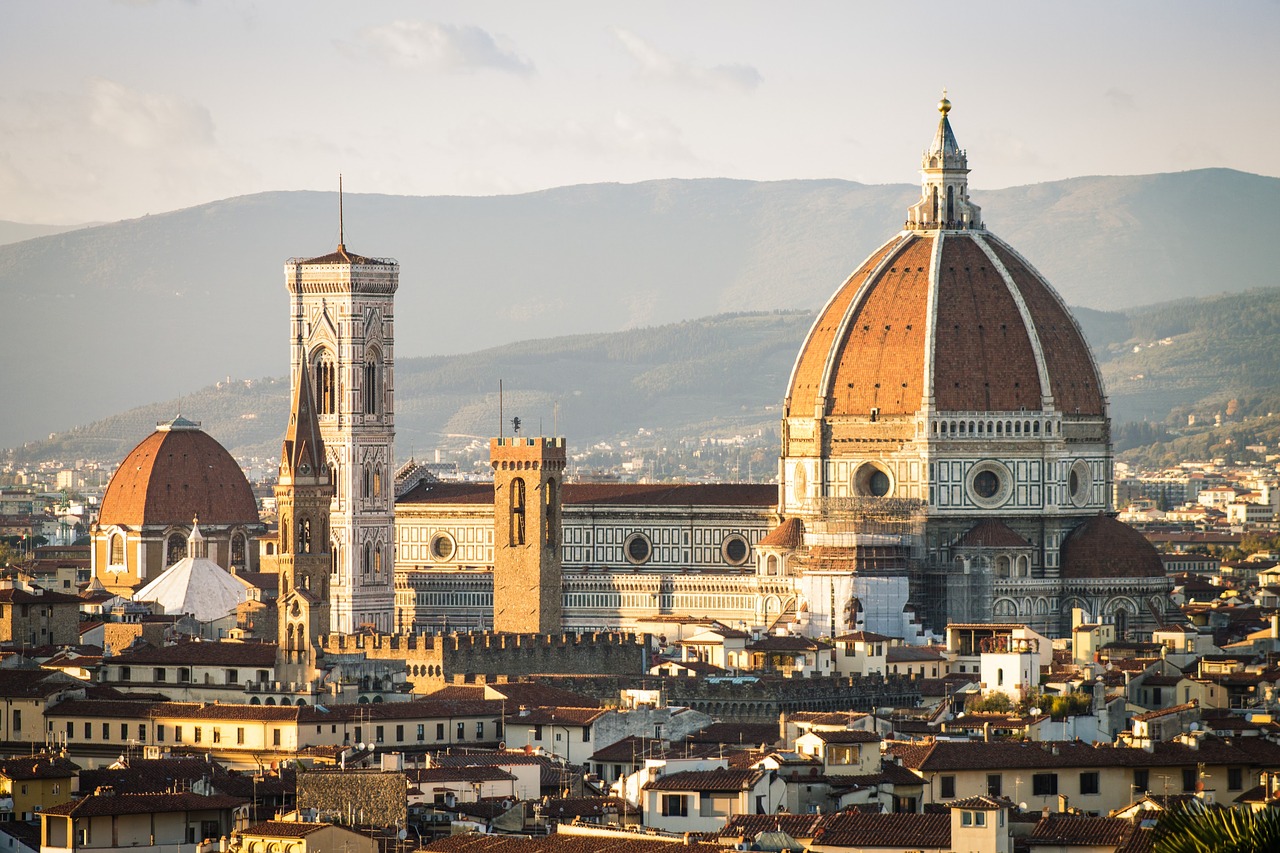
725,376
103,319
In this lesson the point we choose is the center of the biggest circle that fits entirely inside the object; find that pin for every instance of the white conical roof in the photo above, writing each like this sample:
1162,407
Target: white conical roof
195,585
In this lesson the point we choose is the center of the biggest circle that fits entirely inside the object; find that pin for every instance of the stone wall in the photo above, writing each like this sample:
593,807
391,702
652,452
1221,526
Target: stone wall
355,796
432,662
756,700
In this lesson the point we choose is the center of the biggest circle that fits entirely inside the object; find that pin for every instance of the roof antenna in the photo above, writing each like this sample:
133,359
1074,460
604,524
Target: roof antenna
499,411
342,243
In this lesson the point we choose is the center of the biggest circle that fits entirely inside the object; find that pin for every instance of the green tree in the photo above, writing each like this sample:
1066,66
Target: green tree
1200,830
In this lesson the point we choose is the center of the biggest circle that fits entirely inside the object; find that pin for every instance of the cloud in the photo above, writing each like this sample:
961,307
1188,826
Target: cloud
145,120
1120,99
657,65
420,44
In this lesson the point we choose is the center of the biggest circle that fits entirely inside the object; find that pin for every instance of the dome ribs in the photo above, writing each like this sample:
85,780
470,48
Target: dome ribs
880,362
983,358
1073,380
806,377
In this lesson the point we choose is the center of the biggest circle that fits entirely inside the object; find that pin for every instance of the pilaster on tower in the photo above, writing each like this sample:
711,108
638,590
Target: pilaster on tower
944,194
528,477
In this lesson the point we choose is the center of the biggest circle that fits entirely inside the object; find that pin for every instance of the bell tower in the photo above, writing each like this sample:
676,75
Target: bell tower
528,476
303,492
342,307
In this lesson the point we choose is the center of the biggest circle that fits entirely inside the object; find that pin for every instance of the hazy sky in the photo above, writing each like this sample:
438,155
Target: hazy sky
111,110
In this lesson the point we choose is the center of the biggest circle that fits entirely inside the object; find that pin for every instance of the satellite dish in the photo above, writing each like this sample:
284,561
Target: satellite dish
1194,727
1022,807
361,745
402,835
1035,712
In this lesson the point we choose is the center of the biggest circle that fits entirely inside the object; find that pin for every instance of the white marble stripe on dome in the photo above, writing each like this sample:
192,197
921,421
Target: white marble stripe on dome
813,327
873,278
1033,334
1047,285
931,324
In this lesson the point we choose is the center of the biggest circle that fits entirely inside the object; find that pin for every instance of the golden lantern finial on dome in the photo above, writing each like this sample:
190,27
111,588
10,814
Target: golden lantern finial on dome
944,106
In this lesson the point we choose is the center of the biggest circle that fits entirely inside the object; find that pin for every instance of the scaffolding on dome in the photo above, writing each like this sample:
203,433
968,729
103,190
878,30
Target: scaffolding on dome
865,532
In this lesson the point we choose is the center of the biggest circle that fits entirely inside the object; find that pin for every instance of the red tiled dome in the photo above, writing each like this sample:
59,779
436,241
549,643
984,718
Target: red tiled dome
177,473
1105,548
967,317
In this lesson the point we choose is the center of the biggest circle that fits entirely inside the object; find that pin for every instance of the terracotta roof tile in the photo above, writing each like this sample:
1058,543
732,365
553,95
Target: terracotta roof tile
174,475
261,655
789,534
284,828
122,804
1102,547
1070,830
858,829
706,780
991,533
747,826
38,767
556,716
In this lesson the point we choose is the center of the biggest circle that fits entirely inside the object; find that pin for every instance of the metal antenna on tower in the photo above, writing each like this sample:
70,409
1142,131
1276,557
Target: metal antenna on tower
342,243
500,415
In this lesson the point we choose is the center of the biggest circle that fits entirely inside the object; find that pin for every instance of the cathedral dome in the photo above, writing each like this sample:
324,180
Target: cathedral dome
174,475
944,316
1102,547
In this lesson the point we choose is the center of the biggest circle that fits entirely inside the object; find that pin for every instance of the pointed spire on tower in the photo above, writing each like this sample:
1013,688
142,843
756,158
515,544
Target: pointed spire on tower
944,198
342,241
303,452
944,140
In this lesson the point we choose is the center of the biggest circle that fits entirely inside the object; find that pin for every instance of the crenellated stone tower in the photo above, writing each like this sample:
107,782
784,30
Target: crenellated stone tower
342,313
527,479
304,492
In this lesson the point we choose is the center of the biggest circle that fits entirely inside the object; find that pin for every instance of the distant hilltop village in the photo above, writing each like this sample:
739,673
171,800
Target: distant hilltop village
932,633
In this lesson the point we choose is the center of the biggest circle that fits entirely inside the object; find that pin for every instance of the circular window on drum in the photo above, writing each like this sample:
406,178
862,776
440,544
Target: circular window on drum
990,484
637,549
872,480
443,547
1080,482
735,549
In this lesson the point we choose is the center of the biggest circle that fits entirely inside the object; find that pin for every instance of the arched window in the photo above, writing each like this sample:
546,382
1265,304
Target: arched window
372,389
285,521
552,521
1122,623
117,550
366,478
517,511
238,550
377,559
175,549
377,481
304,536
366,559
326,383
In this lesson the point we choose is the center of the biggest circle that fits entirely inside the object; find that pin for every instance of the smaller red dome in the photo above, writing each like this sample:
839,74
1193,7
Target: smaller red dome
175,474
1105,548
